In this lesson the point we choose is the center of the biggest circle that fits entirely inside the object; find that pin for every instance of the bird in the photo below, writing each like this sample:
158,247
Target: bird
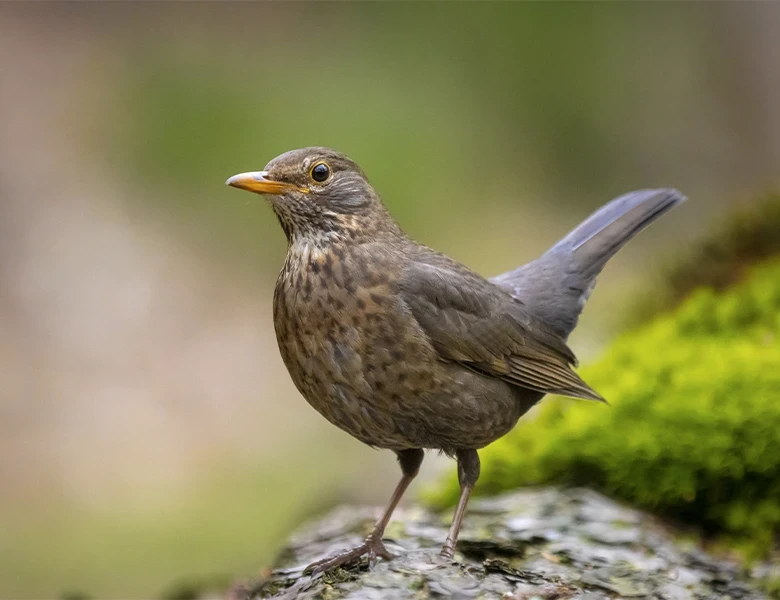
405,348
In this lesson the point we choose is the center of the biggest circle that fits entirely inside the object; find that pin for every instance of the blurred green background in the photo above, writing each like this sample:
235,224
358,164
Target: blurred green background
148,431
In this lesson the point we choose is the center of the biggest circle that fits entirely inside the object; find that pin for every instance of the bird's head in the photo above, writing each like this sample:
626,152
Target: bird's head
316,191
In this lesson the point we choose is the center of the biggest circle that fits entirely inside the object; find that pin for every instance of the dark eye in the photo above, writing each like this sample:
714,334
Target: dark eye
320,172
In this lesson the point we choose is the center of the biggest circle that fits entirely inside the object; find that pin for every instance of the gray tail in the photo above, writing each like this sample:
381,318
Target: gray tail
558,284
594,241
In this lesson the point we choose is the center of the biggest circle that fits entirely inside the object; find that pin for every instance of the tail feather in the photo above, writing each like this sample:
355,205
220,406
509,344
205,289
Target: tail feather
557,285
606,231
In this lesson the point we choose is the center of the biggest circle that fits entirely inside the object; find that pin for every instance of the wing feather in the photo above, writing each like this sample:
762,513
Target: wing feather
473,322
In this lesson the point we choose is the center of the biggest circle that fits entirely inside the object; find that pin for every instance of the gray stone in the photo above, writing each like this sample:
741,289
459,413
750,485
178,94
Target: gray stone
540,543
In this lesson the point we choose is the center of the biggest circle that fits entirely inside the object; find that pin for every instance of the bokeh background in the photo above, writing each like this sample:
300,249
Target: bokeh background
148,429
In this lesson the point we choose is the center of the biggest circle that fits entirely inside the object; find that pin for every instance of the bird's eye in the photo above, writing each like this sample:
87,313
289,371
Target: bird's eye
320,172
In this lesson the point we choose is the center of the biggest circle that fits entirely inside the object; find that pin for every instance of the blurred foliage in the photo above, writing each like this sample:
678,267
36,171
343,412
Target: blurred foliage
694,430
192,588
230,526
772,587
441,122
747,236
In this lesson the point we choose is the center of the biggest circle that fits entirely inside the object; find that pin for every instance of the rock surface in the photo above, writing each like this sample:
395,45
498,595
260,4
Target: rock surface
533,544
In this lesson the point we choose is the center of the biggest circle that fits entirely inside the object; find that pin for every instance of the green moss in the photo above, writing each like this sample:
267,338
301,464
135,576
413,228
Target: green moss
748,236
75,595
771,587
694,428
196,587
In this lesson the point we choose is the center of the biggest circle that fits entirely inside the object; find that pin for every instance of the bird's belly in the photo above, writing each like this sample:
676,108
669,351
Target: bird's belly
354,363
369,371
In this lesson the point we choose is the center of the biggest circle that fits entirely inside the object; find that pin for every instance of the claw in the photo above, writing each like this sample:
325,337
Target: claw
373,547
448,550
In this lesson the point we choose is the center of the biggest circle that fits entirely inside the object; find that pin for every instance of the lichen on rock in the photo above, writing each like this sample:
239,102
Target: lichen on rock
542,544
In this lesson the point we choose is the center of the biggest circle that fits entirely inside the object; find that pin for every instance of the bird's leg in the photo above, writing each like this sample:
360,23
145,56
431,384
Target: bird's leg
373,546
468,473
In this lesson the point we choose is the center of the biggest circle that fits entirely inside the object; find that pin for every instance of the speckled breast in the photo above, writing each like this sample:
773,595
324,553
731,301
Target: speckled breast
347,342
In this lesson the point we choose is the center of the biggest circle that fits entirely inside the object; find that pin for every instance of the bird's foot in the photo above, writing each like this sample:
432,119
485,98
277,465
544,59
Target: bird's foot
448,550
373,547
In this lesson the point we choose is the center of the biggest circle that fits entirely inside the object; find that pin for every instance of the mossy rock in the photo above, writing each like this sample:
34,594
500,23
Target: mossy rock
546,544
693,432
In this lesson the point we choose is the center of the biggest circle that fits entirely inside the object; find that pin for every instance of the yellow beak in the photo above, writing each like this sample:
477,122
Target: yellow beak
258,182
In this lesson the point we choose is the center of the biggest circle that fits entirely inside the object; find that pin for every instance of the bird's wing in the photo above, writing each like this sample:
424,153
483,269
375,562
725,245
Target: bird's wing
472,322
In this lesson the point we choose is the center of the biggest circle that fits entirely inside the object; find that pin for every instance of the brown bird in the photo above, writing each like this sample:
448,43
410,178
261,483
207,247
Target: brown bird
406,349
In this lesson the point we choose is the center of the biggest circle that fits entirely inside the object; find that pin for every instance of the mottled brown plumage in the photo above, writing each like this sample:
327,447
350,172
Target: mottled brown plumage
403,347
